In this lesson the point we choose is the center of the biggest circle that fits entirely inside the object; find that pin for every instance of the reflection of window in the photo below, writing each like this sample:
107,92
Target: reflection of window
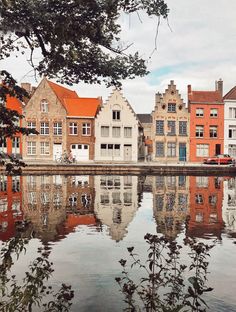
231,201
116,215
182,202
3,205
212,200
213,218
231,183
85,200
110,182
57,199
73,200
3,183
170,201
217,183
32,198
127,181
104,199
159,202
199,217
202,181
199,199
182,181
16,184
16,208
127,198
116,198
45,198
160,182
171,181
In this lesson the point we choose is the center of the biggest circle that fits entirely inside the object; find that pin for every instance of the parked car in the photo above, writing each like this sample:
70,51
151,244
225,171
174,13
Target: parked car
222,159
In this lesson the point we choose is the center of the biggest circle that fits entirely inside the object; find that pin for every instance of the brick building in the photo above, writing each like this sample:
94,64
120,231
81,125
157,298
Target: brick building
206,123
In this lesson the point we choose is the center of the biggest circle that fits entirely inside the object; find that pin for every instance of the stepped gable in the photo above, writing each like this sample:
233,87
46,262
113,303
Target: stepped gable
61,92
83,107
231,95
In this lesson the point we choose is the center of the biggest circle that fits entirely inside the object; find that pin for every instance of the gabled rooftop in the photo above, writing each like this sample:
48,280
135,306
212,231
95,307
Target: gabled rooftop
61,92
231,95
82,107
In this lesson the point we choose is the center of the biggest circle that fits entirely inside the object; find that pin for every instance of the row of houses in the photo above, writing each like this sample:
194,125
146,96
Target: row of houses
111,131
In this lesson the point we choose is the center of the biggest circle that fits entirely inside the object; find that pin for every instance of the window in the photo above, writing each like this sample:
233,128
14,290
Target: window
232,132
57,128
170,201
159,202
160,182
44,128
199,131
159,149
73,129
31,125
171,149
104,131
182,202
127,132
15,145
213,131
160,127
3,145
110,150
44,106
202,182
232,150
86,129
171,181
183,128
199,217
31,148
115,132
232,112
116,115
214,112
171,127
202,150
171,108
44,148
15,184
212,200
199,199
199,112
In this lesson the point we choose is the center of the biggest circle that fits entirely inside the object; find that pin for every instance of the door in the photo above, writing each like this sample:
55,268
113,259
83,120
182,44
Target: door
217,149
127,152
80,152
182,151
57,151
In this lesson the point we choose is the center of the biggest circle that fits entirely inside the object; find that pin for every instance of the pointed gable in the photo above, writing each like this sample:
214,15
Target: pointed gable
231,95
82,107
62,93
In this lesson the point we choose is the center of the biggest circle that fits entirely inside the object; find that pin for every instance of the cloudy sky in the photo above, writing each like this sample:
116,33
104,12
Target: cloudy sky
197,47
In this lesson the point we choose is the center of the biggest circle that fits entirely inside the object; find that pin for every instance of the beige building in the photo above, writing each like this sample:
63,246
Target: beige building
46,113
117,131
116,202
170,127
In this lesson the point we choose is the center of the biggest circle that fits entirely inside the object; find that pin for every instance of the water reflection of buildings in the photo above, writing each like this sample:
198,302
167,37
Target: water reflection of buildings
116,202
170,203
206,195
229,206
10,205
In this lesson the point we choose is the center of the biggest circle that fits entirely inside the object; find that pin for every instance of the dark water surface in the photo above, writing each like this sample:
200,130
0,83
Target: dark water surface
89,221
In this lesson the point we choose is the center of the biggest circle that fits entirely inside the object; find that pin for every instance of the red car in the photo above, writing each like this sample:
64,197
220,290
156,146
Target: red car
222,159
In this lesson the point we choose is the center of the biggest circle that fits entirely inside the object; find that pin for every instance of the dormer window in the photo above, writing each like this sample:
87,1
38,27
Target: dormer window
116,115
44,106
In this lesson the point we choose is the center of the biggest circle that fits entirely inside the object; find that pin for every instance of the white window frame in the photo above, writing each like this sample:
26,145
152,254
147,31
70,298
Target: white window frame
44,106
171,149
214,112
116,115
110,150
128,132
44,148
31,148
171,108
105,131
31,125
199,112
199,131
86,129
232,132
57,128
73,128
232,112
202,150
116,132
44,128
213,131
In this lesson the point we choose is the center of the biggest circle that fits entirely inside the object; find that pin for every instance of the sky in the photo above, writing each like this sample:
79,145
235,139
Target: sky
196,46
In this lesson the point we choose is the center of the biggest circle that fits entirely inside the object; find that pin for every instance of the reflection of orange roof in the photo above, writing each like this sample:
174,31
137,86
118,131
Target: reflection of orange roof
148,142
74,220
205,96
61,92
82,107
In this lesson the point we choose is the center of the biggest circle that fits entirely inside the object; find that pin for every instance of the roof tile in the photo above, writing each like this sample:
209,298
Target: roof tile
82,107
205,97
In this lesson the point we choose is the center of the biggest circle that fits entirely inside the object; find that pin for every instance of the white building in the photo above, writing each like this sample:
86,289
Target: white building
229,205
117,131
230,123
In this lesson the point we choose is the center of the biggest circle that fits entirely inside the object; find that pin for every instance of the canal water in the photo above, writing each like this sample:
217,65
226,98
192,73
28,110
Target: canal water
87,223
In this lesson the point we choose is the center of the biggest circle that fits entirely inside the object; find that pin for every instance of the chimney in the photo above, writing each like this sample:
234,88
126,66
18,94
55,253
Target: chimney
189,89
26,86
219,86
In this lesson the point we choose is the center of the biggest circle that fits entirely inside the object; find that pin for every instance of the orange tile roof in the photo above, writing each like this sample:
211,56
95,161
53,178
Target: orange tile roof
205,97
14,104
231,95
61,92
74,220
82,107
